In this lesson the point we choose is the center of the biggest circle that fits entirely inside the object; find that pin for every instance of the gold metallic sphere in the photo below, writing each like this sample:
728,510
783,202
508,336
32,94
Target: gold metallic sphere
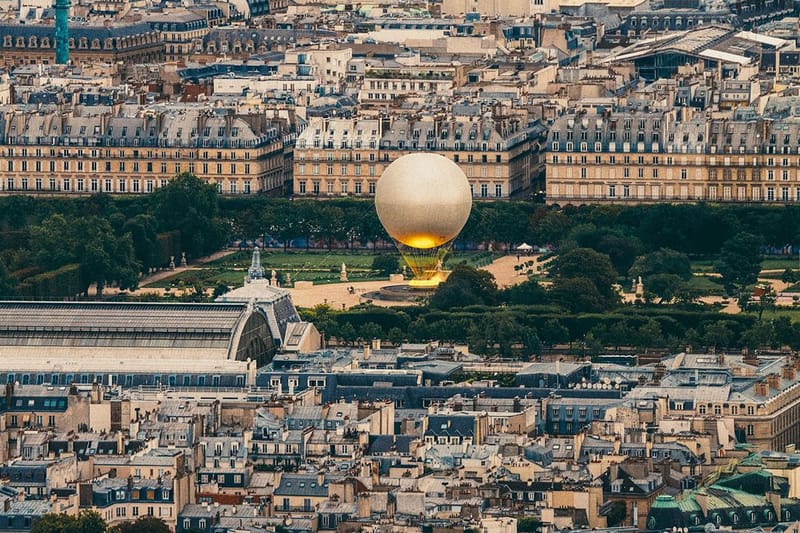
423,200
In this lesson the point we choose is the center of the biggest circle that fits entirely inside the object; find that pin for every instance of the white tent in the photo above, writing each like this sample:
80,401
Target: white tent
525,247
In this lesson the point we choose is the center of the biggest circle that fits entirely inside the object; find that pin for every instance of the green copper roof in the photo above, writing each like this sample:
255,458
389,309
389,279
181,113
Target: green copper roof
664,501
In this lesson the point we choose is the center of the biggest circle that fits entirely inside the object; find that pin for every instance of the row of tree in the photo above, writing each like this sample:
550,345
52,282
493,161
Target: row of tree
112,240
524,320
92,522
525,331
58,248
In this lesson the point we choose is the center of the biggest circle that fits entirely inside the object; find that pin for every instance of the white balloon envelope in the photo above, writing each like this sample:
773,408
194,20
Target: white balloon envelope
423,201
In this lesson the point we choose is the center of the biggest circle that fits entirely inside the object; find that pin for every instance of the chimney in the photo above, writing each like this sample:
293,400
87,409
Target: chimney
376,344
774,381
788,372
750,358
367,352
320,478
761,388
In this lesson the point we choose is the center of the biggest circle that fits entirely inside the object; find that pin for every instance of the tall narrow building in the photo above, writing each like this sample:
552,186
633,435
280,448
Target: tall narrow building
62,31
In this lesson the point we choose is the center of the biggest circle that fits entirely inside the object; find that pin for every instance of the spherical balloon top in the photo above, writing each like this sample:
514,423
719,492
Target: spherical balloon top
423,200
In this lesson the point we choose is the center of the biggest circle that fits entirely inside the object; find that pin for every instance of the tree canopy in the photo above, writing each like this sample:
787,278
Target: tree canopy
465,286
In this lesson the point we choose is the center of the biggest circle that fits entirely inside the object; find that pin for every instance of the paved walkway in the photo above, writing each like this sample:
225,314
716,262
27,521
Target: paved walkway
338,295
503,271
163,274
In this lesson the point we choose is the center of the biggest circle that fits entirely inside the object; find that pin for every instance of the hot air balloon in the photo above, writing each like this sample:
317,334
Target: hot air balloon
423,201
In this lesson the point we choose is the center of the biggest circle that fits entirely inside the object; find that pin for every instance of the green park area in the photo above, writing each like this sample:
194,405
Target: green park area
320,267
702,266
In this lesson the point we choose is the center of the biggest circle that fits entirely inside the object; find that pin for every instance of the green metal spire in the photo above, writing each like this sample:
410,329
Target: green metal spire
62,31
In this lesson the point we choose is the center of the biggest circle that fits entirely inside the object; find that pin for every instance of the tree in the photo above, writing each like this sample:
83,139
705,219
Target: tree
666,287
190,205
764,301
739,262
90,240
718,334
588,264
395,336
622,249
143,231
548,226
346,333
528,524
144,524
526,293
650,335
370,331
220,289
616,514
84,522
662,261
761,334
386,264
8,286
789,276
578,295
553,332
465,286
786,333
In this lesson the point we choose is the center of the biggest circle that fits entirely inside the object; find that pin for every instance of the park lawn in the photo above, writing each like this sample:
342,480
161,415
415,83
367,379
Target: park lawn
705,286
294,260
315,259
705,266
792,288
318,266
779,263
702,265
791,312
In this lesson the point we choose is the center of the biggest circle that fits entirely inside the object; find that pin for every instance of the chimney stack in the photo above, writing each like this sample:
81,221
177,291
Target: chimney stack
774,381
761,388
788,372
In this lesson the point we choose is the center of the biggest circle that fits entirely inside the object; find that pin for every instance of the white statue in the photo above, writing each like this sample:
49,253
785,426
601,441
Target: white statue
639,288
